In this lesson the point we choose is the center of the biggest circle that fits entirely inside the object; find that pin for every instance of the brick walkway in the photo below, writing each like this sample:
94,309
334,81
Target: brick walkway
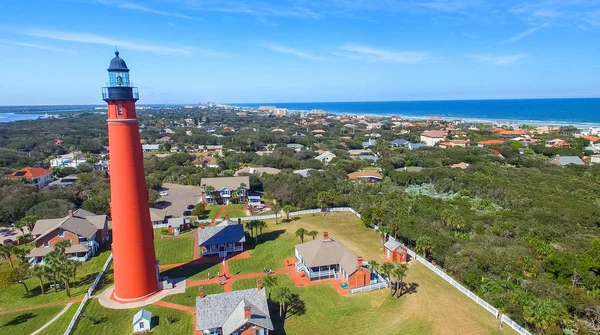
24,309
175,306
221,211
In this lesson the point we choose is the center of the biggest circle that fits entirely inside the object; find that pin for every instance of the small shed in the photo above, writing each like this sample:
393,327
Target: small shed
142,321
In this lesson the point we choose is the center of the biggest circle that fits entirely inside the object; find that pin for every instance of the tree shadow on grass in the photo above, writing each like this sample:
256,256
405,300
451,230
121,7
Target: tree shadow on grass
19,319
189,269
263,238
410,288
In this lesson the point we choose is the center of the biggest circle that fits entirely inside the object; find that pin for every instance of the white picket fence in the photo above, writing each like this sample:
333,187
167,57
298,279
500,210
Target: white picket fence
494,311
302,212
367,288
87,297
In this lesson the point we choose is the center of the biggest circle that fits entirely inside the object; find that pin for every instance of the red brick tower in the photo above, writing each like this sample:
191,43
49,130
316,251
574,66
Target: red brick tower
134,260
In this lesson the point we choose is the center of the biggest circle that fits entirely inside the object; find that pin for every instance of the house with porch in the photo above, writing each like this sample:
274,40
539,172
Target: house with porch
86,232
394,251
242,312
224,189
227,237
39,177
327,258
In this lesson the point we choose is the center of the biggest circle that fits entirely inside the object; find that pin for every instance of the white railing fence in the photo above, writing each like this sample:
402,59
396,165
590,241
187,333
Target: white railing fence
302,212
367,288
514,325
87,297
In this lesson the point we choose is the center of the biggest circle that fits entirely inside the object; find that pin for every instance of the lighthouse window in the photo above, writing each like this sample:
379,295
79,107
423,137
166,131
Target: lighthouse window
119,110
119,81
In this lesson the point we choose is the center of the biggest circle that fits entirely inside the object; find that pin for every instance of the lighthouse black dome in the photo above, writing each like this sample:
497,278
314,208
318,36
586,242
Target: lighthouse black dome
118,64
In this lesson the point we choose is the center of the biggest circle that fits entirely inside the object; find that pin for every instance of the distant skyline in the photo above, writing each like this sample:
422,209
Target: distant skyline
190,51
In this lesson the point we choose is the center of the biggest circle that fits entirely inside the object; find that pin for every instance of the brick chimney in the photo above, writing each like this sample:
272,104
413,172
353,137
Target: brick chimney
204,198
259,284
70,212
359,261
325,235
201,292
247,312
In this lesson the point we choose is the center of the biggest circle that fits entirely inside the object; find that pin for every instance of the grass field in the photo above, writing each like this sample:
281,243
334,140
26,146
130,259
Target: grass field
434,307
233,210
14,296
272,248
119,321
21,323
189,297
193,272
60,325
174,250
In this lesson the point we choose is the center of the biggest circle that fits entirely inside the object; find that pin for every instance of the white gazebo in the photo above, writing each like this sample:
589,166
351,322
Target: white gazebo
142,321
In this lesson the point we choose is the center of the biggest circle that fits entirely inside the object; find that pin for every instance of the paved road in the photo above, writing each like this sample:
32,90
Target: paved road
179,198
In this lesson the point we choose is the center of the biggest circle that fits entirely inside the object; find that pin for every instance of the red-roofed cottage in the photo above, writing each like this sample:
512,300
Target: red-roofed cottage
37,176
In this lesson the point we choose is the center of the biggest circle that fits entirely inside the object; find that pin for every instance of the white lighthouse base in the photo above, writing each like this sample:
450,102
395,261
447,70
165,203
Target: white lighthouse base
106,298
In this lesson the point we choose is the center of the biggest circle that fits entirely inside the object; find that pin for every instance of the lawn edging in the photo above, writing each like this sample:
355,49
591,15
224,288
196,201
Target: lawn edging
87,297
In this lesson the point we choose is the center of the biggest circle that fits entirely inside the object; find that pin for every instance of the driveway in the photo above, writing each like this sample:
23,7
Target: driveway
180,196
10,233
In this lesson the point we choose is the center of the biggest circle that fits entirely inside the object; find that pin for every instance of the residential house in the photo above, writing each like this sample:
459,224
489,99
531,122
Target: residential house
326,157
164,139
558,143
158,216
174,149
327,258
369,144
414,146
366,176
593,147
305,173
399,142
211,148
225,188
150,147
595,159
490,142
461,165
86,232
259,171
242,312
206,161
39,177
68,181
142,321
432,137
410,169
508,133
295,146
318,131
69,160
101,165
177,226
566,160
227,237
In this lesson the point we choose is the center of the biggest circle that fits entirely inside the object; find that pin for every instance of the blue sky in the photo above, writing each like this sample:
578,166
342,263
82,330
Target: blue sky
189,51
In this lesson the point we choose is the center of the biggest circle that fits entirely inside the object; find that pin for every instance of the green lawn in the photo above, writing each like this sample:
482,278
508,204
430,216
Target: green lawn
244,284
274,246
233,210
14,296
60,325
193,272
189,297
119,321
174,250
213,210
21,323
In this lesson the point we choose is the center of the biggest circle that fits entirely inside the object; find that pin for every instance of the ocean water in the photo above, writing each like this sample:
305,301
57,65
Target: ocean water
10,117
577,112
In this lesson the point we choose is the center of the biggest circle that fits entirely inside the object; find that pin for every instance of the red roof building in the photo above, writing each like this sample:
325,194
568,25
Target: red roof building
37,176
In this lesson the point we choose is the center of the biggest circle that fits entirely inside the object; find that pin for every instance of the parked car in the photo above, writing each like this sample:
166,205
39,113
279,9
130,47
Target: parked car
163,194
191,206
187,213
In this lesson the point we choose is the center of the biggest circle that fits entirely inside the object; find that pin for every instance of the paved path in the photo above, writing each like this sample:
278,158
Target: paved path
53,319
221,211
175,306
40,306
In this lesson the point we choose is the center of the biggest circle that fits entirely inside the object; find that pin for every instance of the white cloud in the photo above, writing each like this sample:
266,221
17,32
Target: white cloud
498,60
362,52
122,44
35,46
145,9
294,52
524,34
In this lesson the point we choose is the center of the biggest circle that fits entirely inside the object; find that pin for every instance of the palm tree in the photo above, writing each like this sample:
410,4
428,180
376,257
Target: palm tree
282,296
20,274
541,314
21,254
20,225
62,245
55,261
400,272
276,209
29,221
385,269
40,271
269,282
287,209
313,234
260,224
424,246
300,233
64,275
373,265
73,265
6,251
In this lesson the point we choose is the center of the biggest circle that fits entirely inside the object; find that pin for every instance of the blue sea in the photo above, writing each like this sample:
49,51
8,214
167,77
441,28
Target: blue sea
577,112
10,117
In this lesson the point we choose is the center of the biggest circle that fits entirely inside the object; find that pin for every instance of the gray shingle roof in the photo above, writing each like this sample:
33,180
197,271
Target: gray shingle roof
323,252
566,160
391,244
142,315
82,223
399,142
225,232
226,310
231,183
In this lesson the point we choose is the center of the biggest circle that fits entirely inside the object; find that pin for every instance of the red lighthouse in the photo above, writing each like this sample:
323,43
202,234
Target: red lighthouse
134,260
